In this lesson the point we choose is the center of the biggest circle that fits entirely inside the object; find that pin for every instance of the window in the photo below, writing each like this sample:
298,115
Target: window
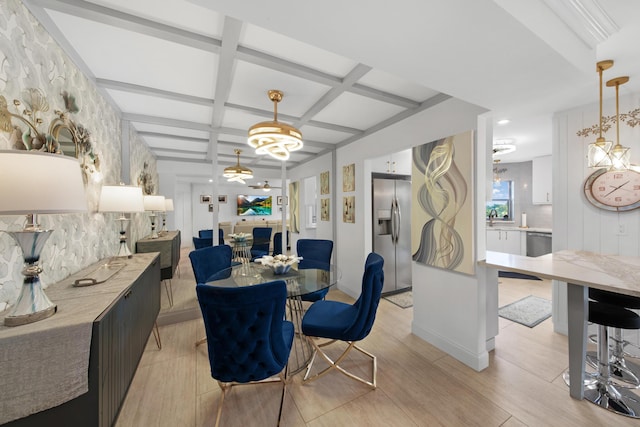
501,200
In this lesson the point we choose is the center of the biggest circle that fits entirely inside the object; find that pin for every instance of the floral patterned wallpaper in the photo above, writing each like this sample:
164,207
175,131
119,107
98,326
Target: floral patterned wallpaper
30,58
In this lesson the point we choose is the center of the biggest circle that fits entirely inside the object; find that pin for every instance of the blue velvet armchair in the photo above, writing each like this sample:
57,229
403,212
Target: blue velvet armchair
202,242
209,260
248,339
315,253
349,323
261,242
277,243
208,234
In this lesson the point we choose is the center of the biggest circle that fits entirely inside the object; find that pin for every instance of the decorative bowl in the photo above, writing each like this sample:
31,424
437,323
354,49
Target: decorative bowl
239,237
281,264
281,269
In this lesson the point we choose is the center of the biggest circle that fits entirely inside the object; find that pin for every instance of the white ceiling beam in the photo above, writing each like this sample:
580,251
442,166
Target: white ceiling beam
172,136
150,91
126,21
164,121
434,100
333,93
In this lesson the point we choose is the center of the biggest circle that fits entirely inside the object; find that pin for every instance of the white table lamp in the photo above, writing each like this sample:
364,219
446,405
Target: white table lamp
121,199
34,183
154,204
168,207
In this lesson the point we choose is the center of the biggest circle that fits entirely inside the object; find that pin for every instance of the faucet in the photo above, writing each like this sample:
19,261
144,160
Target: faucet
492,214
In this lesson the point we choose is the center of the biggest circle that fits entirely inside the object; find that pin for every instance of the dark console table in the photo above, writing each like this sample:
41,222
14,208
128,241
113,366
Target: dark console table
75,367
168,244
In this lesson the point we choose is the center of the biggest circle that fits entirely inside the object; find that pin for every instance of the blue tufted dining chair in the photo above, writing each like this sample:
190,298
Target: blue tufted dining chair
206,233
209,260
220,236
277,243
202,242
247,337
315,253
261,242
339,321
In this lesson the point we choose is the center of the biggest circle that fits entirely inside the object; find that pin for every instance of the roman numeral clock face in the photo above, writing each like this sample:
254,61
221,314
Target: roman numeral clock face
613,190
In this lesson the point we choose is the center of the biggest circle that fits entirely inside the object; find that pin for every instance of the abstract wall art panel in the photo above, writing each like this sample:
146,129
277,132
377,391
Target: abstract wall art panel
294,206
442,208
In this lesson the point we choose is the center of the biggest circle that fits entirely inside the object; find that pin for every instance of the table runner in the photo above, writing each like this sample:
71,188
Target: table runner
46,363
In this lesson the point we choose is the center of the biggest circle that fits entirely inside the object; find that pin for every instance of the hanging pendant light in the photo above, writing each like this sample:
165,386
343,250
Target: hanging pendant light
237,173
619,155
273,137
598,152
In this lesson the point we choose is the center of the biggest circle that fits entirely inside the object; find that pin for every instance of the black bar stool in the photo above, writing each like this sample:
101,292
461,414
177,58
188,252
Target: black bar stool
625,372
604,392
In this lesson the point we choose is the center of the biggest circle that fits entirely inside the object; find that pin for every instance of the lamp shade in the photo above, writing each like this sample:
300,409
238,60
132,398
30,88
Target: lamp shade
40,183
154,203
121,198
168,205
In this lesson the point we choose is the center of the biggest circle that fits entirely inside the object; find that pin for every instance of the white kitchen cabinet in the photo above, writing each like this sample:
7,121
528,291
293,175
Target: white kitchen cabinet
541,184
396,163
507,241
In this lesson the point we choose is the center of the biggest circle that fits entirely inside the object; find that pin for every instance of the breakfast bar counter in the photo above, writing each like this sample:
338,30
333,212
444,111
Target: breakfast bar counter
581,270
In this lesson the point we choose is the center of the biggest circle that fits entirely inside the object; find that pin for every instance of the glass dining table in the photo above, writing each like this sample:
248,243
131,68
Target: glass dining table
299,283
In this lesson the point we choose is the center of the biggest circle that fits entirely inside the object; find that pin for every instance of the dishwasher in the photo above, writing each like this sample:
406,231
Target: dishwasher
538,243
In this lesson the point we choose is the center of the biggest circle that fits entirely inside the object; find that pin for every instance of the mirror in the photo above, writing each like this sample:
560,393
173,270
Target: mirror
66,143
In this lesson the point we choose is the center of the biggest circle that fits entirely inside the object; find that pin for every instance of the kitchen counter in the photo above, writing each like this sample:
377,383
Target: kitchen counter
511,227
580,270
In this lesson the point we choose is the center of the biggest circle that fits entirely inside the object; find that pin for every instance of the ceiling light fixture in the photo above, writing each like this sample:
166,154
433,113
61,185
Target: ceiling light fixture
497,171
503,146
237,173
503,121
273,137
598,152
264,187
619,155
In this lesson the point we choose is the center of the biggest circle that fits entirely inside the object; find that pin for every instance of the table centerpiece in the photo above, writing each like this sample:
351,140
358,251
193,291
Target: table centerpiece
240,237
281,264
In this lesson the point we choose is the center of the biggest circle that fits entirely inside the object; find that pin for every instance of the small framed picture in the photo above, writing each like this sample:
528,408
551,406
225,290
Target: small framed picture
205,198
279,200
324,209
222,199
349,209
324,182
210,207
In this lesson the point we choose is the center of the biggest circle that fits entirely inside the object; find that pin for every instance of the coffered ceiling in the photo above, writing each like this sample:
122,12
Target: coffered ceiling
189,72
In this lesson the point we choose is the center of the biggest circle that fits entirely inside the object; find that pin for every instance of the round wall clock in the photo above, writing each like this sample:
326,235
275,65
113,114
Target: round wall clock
613,190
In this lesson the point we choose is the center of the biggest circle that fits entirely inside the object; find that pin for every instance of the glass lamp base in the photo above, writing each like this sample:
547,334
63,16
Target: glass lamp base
32,304
123,251
23,319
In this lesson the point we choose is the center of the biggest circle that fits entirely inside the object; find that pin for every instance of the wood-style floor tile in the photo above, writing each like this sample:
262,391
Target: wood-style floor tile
418,384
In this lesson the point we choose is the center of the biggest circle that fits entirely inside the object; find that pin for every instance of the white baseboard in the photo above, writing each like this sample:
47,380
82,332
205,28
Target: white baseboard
477,362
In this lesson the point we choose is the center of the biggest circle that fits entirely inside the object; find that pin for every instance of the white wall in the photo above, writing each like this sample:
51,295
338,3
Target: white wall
577,224
450,309
324,229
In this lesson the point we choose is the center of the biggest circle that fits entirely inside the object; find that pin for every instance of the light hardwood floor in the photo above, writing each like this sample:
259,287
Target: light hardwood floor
418,385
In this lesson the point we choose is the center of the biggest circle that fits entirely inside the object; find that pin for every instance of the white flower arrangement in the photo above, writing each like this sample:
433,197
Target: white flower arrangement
280,263
240,237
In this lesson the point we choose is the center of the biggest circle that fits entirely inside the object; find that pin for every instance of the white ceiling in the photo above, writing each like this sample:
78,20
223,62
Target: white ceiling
185,72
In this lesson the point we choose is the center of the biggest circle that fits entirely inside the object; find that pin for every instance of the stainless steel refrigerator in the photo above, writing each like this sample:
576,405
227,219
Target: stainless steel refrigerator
392,228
